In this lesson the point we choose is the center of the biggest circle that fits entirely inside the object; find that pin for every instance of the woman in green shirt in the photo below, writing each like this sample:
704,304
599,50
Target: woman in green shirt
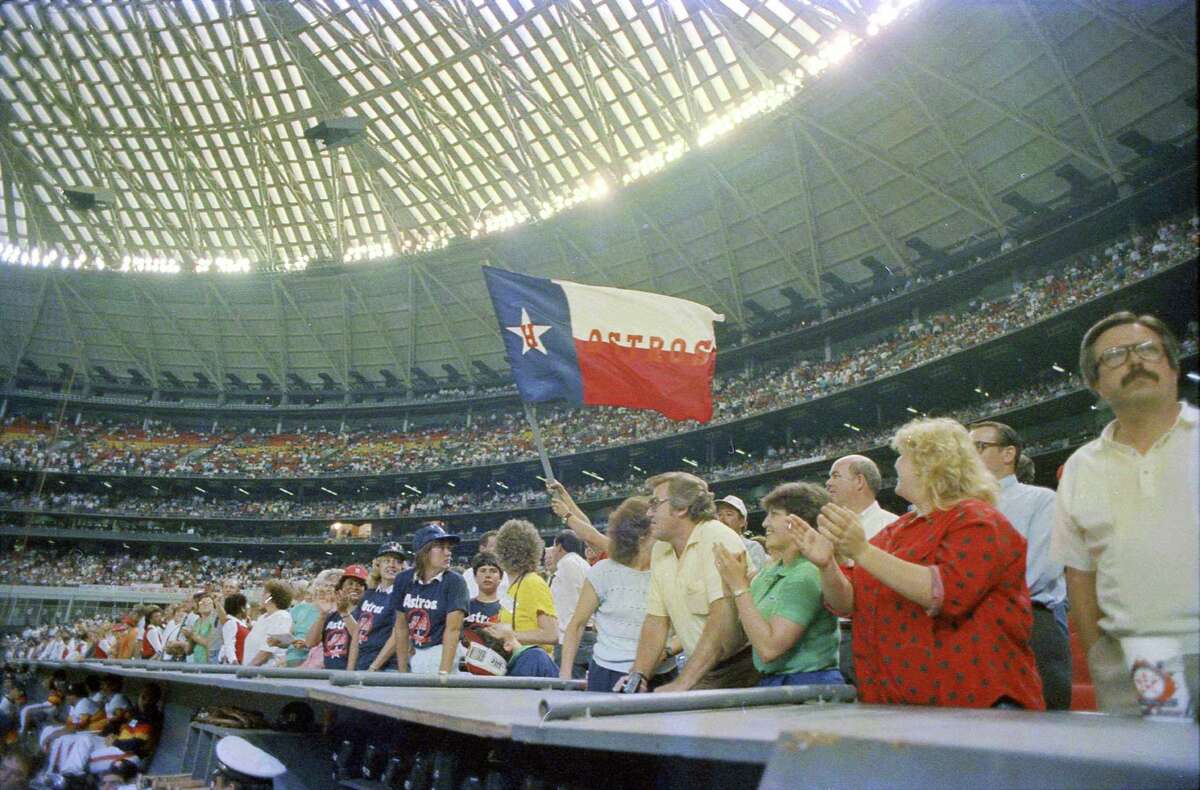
793,635
200,635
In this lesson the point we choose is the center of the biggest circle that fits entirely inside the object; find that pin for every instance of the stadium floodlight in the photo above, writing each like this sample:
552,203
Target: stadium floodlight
1193,376
451,483
1056,367
337,132
854,428
593,475
88,198
329,491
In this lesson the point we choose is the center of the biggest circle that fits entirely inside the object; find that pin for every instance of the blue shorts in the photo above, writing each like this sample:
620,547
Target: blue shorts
533,663
603,679
821,677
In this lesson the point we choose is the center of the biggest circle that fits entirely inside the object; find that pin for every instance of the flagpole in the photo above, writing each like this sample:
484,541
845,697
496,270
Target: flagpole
531,416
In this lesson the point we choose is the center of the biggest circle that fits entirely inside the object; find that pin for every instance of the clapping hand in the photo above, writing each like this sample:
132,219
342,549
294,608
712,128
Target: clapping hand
815,547
843,529
326,600
732,567
342,601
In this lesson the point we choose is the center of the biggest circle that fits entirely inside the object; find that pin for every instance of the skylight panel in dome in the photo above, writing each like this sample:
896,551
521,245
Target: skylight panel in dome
523,83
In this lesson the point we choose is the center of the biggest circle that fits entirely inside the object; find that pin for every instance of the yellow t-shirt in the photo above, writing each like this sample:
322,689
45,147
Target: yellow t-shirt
530,597
681,588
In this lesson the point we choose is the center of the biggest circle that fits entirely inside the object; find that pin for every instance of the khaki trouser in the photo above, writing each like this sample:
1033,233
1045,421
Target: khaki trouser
735,672
1114,686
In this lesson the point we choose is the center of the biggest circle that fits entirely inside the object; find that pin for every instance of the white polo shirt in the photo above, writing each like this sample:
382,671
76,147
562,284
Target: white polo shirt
276,623
874,519
569,576
1134,520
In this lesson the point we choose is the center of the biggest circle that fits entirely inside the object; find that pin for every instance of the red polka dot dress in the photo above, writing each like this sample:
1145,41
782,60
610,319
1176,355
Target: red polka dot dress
973,650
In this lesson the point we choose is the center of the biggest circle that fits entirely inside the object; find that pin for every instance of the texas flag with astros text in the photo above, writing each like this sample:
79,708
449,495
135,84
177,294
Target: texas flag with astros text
606,346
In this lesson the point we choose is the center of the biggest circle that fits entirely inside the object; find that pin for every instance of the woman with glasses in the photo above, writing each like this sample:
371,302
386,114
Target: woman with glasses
792,634
942,614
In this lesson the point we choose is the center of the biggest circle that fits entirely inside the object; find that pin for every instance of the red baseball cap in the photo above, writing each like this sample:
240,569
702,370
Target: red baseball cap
359,572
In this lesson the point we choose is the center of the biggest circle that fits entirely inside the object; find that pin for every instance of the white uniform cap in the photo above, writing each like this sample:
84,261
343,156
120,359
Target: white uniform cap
239,755
734,502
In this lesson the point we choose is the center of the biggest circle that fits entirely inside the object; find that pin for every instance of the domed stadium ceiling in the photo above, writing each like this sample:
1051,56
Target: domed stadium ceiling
718,150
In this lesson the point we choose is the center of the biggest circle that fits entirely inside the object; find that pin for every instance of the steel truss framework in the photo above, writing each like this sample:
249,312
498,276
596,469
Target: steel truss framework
194,113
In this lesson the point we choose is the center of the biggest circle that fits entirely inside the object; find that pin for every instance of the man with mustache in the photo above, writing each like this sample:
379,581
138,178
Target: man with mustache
1128,513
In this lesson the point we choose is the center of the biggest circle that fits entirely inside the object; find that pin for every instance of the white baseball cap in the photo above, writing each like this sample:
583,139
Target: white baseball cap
243,760
734,502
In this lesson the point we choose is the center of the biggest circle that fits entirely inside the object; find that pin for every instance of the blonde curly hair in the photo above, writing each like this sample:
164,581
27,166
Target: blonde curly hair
948,469
519,547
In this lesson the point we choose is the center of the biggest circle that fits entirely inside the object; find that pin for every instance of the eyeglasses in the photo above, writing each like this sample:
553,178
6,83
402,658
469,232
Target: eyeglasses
981,446
655,502
1115,357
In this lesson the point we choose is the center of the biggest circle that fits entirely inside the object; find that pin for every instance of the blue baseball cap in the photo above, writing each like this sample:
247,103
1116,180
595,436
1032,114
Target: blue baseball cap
393,548
432,531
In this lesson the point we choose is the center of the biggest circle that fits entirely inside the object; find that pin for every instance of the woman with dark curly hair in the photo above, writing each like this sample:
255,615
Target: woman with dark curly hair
615,593
532,620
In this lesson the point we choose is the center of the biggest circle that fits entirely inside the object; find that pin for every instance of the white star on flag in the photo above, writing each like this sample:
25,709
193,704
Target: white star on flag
530,333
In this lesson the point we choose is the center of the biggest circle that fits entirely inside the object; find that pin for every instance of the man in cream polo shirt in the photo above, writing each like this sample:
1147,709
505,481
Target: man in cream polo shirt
1127,525
687,594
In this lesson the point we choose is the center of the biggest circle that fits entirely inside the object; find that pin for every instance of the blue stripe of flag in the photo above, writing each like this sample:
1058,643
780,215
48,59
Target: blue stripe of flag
553,375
